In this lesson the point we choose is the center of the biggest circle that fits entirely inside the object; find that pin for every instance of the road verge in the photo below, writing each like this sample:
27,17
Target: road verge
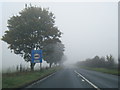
103,70
23,79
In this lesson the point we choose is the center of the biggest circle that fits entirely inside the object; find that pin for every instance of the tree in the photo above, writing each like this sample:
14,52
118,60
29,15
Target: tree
119,64
53,53
110,61
30,30
99,62
102,62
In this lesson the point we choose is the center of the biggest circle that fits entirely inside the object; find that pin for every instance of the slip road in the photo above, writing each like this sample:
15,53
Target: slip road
73,77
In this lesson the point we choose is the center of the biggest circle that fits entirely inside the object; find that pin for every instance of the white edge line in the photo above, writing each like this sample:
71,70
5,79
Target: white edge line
40,80
87,80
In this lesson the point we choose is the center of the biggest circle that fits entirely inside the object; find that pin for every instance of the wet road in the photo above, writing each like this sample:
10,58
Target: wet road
73,77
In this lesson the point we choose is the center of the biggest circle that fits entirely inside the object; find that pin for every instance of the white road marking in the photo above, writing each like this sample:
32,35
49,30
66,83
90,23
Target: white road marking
40,80
87,80
83,80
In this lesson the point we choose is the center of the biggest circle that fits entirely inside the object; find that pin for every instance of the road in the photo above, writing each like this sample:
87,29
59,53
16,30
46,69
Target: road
73,77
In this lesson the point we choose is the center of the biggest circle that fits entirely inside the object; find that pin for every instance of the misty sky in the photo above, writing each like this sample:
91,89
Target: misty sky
89,29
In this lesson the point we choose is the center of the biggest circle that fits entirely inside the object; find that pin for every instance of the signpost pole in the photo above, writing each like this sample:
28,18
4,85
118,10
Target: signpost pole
40,66
41,58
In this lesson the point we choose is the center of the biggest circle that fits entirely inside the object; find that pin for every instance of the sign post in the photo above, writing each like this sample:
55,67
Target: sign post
40,66
37,57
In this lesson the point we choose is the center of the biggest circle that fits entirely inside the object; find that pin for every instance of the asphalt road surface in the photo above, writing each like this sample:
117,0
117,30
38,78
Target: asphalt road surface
73,77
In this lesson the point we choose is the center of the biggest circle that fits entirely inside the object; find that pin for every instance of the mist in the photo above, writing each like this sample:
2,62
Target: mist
89,29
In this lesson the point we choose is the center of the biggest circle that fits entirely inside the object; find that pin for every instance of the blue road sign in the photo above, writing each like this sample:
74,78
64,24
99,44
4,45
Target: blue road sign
36,56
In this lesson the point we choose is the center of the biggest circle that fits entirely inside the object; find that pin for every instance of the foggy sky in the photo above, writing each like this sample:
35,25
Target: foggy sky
89,29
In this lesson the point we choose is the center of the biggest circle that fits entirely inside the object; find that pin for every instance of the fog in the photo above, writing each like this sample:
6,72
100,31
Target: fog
89,29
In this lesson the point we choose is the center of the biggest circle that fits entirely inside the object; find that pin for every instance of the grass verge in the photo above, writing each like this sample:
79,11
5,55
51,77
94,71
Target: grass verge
104,70
20,79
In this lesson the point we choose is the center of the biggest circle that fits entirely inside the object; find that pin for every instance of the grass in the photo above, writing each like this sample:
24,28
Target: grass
104,70
19,79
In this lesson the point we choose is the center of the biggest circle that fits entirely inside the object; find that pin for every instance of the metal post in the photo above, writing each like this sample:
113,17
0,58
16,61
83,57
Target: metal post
41,62
40,66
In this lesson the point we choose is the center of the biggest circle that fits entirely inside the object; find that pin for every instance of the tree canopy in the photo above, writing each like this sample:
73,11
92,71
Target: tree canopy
53,53
32,28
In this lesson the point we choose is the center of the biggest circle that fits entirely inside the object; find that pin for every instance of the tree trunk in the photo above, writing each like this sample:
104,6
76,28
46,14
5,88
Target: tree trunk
32,66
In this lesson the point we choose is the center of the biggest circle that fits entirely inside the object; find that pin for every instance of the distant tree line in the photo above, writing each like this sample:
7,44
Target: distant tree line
99,62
